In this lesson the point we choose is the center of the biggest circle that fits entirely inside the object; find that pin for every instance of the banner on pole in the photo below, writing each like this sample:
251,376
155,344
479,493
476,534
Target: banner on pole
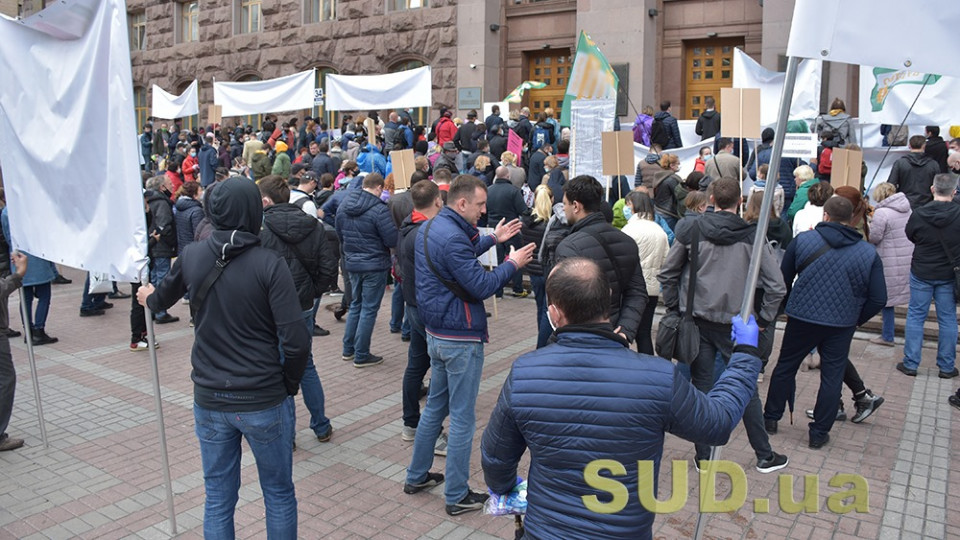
411,88
886,95
514,144
747,73
588,119
290,93
168,106
591,77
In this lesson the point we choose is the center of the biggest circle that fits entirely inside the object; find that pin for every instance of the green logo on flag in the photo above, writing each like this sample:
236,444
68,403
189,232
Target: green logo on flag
886,79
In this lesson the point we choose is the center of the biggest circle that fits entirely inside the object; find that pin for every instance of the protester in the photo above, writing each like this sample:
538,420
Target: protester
464,138
837,121
913,174
505,202
812,213
703,157
888,233
935,148
652,245
696,204
804,179
448,159
934,229
665,131
8,374
451,286
589,397
642,125
861,210
708,123
648,169
208,159
281,163
725,164
533,232
162,236
760,184
665,189
839,286
535,170
494,120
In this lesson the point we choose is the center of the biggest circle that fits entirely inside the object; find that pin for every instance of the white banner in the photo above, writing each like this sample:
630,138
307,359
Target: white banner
66,203
411,88
290,93
168,106
588,119
886,96
747,73
860,31
800,145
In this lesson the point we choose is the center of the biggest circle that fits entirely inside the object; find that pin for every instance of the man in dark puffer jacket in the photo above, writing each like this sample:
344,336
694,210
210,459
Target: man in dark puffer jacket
587,398
367,234
593,238
302,242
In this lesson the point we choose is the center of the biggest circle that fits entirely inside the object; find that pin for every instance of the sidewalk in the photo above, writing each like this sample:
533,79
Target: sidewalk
101,476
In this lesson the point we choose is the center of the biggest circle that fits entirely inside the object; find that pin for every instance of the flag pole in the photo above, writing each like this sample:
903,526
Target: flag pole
753,273
28,334
158,402
926,80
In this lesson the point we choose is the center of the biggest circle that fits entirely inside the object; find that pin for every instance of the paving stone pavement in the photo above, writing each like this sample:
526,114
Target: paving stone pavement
101,475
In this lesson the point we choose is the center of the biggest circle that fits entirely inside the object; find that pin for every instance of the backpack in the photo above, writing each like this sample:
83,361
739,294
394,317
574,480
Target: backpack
399,139
539,138
658,133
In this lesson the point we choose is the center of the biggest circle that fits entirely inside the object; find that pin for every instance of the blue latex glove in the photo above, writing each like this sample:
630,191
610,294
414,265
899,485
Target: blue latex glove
745,333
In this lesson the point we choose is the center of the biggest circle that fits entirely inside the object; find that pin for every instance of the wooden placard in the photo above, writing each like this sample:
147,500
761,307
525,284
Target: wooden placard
403,168
215,114
845,170
371,128
617,150
741,113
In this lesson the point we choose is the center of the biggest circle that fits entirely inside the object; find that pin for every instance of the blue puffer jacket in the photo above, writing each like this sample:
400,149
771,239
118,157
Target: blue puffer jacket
189,214
454,248
366,232
842,288
371,160
587,398
39,271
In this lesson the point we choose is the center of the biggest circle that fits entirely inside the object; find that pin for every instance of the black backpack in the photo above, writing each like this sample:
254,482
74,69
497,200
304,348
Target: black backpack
659,134
399,140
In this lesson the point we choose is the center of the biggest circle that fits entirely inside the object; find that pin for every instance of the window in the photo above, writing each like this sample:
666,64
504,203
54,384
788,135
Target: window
140,107
251,119
319,10
138,31
332,118
420,115
402,5
189,21
249,19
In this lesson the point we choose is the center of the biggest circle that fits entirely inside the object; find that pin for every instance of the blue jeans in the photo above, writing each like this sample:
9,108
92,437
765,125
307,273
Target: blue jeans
368,288
159,268
269,433
538,284
312,388
922,292
886,331
454,383
418,362
90,302
42,294
398,319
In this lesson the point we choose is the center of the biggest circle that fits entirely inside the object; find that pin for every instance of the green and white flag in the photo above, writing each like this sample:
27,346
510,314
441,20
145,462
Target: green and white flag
516,94
590,77
886,96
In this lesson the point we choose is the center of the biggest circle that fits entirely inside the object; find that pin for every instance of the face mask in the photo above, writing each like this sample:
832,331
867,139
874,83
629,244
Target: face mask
193,154
951,151
550,321
708,157
627,213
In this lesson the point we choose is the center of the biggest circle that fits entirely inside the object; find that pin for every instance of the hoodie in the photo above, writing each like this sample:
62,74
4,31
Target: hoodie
367,232
929,223
708,124
302,242
250,313
913,175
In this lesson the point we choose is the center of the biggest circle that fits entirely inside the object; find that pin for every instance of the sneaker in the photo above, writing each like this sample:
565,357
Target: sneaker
772,463
521,294
339,313
432,479
190,324
880,341
348,357
60,280
118,295
866,405
326,436
40,337
906,371
371,360
817,444
405,339
471,502
424,390
954,400
142,345
949,374
841,414
9,443
186,302
394,330
166,318
91,312
770,426
440,449
320,332
11,333
408,434
760,378
104,305
336,292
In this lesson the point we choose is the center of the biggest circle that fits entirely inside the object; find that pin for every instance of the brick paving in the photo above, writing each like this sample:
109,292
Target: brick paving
101,476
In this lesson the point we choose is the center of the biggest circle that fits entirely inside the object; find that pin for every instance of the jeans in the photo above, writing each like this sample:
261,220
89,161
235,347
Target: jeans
418,362
159,268
457,367
886,332
502,251
312,388
644,340
8,383
833,344
368,288
539,286
90,302
41,292
715,338
922,292
398,319
269,433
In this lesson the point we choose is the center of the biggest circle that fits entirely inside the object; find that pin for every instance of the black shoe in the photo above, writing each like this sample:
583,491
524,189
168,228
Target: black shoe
866,405
954,400
91,312
471,502
339,313
166,318
60,280
432,479
327,435
770,426
40,337
424,391
371,360
819,443
772,463
117,295
105,305
11,333
949,374
320,332
394,331
405,339
906,371
841,414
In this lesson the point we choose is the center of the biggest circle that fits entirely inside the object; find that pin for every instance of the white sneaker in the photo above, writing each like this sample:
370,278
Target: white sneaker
408,434
185,301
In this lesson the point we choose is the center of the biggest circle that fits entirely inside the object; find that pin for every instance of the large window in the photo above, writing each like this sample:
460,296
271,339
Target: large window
402,5
251,119
188,21
319,10
332,118
420,115
140,107
138,31
249,18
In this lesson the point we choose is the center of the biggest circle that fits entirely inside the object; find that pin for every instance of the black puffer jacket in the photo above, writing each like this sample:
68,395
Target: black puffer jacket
532,233
161,222
504,201
406,249
302,242
593,238
925,228
913,175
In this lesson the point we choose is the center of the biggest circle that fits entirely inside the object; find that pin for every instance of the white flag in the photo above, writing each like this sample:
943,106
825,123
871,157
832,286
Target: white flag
920,36
168,106
886,96
67,84
290,93
411,88
747,73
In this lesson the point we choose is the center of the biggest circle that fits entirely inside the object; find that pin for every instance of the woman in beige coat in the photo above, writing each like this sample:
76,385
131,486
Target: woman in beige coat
653,247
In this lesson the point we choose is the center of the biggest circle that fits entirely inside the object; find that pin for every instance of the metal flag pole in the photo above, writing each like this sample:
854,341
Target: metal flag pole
887,153
158,401
28,334
753,273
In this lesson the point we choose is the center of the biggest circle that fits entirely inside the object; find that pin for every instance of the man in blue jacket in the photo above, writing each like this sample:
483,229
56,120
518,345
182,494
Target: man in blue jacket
588,398
208,158
451,286
839,287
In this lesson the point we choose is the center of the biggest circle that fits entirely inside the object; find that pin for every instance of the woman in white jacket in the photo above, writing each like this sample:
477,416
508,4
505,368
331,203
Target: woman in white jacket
812,214
653,246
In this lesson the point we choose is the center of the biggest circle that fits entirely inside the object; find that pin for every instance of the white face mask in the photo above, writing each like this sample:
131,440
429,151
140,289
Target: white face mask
550,320
951,151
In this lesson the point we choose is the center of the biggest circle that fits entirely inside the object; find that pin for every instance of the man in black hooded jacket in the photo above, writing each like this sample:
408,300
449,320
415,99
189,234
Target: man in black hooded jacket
248,314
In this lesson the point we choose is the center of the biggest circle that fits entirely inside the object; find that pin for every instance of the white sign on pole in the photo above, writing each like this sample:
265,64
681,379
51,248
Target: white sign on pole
489,257
800,145
588,119
318,97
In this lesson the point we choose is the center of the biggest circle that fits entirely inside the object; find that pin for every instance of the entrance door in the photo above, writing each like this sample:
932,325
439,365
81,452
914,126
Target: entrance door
551,67
709,67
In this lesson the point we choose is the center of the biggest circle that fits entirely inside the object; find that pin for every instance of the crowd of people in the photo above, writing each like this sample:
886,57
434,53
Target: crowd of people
252,228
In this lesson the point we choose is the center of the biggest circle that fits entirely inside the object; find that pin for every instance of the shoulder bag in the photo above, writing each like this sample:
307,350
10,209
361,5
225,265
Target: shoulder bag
677,335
